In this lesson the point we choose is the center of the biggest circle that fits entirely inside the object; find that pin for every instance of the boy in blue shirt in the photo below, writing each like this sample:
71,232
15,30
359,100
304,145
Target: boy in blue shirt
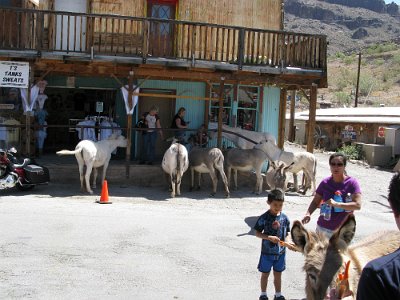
273,228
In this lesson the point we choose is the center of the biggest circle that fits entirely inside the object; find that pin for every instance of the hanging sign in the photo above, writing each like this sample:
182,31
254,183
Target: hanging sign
99,107
14,74
381,131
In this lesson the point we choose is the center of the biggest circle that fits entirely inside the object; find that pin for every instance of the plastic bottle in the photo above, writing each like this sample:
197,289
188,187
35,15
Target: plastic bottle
322,208
348,200
338,198
327,212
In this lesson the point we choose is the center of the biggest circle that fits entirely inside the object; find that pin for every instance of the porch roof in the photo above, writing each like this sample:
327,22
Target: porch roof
381,115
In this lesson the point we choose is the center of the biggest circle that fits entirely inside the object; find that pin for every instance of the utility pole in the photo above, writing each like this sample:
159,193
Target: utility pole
358,79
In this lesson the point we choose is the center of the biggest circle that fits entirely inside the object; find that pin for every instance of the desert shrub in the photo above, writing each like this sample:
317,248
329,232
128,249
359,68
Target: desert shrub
396,58
367,83
380,48
340,55
379,61
343,98
348,60
352,151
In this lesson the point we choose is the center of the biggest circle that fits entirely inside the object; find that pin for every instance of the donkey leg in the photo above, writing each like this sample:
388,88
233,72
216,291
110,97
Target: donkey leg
173,184
94,178
178,184
81,166
259,182
224,180
295,183
82,178
228,175
235,178
89,168
214,180
199,183
168,181
191,179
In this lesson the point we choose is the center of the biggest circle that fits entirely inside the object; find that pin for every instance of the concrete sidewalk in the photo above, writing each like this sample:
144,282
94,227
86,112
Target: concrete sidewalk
65,169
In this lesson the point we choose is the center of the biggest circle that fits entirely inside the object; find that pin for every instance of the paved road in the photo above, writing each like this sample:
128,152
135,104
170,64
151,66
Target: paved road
56,243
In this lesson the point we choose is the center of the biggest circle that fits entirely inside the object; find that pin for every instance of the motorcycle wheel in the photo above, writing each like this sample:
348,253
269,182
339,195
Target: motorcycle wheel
24,187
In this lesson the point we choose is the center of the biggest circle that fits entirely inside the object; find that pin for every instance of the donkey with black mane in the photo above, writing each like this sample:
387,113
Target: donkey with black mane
332,264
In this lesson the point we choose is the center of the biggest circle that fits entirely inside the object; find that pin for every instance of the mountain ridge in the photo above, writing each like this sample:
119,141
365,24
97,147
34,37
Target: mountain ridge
348,28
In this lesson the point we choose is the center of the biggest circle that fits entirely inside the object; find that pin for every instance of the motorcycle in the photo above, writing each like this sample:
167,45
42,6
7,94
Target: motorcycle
25,176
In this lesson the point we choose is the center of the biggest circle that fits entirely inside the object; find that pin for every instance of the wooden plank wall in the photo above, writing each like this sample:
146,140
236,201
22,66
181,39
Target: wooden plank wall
255,13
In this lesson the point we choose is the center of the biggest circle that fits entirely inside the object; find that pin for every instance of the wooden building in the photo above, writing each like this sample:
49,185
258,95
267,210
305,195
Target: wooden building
229,60
338,126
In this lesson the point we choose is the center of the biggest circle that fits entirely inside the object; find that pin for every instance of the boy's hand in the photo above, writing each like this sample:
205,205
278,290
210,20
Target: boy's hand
289,245
274,239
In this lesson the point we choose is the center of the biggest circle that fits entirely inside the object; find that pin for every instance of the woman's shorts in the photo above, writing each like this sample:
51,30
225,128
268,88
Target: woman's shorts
268,261
327,232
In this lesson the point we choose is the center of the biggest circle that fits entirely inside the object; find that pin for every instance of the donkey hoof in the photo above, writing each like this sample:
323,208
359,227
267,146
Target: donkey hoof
172,195
212,194
227,195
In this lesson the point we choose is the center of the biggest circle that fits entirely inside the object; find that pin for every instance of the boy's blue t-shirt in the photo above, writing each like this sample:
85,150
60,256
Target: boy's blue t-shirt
268,224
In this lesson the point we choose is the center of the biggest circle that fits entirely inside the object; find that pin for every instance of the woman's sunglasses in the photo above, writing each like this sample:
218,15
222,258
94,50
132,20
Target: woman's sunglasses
337,164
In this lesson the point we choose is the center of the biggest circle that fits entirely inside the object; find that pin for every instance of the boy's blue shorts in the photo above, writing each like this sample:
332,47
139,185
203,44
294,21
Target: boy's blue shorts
267,261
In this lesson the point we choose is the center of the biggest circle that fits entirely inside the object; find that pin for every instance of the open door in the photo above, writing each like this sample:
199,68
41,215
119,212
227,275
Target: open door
166,112
161,38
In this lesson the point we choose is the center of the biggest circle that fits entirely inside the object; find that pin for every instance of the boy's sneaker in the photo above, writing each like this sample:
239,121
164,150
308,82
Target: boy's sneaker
263,297
279,298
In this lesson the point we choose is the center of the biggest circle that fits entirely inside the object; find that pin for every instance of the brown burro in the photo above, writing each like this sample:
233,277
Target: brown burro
332,266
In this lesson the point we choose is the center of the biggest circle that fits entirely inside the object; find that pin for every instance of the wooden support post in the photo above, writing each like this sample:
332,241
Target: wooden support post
206,105
129,124
311,118
292,131
221,107
282,117
28,116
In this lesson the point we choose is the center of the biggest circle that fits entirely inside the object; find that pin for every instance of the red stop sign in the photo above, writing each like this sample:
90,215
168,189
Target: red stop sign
381,132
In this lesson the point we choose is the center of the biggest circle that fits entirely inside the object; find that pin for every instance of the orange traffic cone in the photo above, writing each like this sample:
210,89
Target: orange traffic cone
104,194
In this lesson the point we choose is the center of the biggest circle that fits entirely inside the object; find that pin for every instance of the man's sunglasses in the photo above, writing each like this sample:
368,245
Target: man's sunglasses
337,164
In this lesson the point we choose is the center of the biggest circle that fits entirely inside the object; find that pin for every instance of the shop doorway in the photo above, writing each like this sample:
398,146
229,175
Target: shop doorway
66,107
166,112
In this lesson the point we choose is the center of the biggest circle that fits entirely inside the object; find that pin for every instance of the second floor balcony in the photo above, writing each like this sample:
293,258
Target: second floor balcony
56,34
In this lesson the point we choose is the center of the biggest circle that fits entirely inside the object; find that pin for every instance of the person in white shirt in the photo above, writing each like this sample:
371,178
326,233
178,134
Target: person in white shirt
152,121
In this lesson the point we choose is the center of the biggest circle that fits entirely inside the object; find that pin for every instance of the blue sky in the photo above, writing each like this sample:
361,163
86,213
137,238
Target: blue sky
395,1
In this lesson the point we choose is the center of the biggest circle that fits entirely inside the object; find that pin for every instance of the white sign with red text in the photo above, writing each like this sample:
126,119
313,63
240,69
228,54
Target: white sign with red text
14,74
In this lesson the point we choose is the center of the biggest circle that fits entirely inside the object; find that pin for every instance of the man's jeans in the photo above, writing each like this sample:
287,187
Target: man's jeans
150,145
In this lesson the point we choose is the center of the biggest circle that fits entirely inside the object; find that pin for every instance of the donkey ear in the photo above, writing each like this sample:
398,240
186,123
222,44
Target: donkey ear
343,236
300,236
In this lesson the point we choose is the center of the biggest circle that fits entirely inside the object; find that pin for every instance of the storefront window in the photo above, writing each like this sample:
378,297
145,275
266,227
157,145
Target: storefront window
248,98
227,106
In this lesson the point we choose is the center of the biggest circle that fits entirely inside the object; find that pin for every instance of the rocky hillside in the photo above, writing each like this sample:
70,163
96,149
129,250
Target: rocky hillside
349,24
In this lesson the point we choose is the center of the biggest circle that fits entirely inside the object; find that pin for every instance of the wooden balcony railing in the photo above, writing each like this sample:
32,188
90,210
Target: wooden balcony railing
55,31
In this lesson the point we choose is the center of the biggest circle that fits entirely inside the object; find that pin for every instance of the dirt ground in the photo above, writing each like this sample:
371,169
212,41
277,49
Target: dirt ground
57,243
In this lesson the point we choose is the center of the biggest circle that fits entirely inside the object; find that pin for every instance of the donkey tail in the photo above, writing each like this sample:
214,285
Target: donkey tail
69,152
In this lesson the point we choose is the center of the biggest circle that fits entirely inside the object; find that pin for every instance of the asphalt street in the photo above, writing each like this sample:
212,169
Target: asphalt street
57,243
